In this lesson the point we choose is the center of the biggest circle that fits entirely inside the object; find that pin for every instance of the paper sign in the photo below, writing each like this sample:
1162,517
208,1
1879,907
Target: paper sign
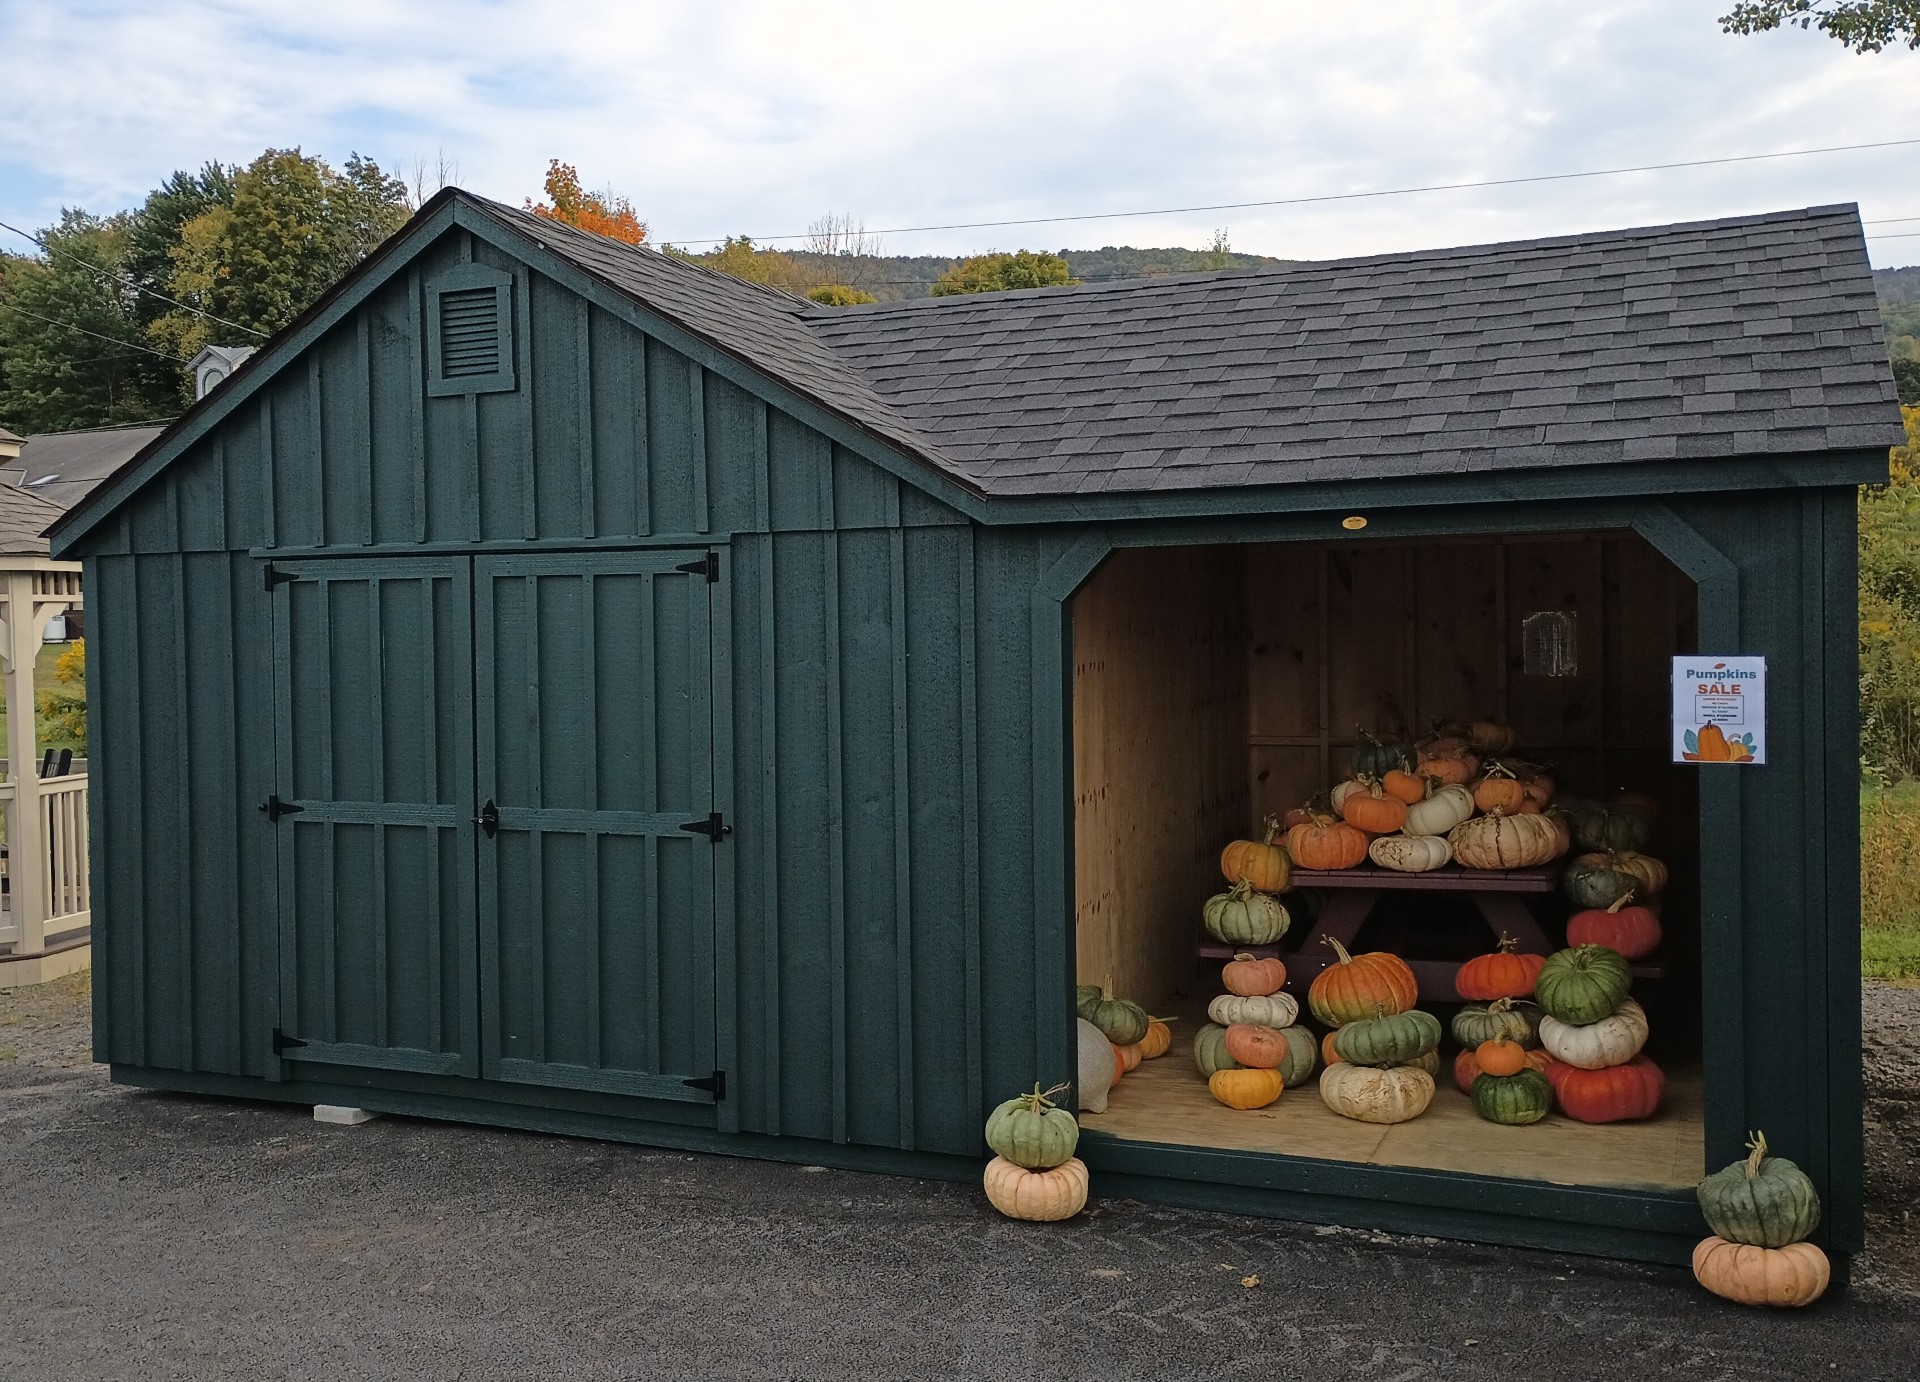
1719,710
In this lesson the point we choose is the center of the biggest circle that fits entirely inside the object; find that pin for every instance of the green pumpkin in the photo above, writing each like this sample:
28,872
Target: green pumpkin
1599,827
1597,885
1210,1051
1511,1019
1029,1131
1084,997
1766,1201
1373,757
1120,1020
1582,985
1303,1055
1513,1099
1245,917
1390,1039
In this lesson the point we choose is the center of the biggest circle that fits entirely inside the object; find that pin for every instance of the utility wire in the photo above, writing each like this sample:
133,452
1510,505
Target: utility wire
128,282
110,340
1347,196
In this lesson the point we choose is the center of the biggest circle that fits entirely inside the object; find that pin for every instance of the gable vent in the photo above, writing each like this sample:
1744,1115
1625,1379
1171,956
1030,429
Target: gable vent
469,333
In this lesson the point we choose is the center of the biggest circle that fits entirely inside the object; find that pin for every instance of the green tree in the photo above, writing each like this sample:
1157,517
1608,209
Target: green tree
152,234
999,273
1890,612
1866,26
63,706
839,295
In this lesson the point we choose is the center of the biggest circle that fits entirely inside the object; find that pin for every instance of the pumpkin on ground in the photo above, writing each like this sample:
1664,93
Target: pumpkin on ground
1597,880
1763,1200
1270,1010
1303,1054
1372,810
1039,1196
1387,1039
1633,931
1618,1094
1210,1051
1501,841
1096,1066
1260,862
1373,757
1410,853
1130,1057
1030,1131
1505,973
1444,807
1466,1067
1603,828
1325,843
1120,1020
1376,1094
1582,984
1242,916
1791,1276
1403,787
1245,1089
1256,1046
1158,1040
1357,986
1252,977
1498,790
1614,1040
1501,1057
1517,1099
1507,1018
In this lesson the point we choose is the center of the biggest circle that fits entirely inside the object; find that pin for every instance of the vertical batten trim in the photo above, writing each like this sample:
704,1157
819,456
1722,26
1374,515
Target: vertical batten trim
643,440
697,443
762,467
317,441
226,541
902,839
136,787
722,906
430,730
417,403
365,407
836,832
184,895
970,887
589,505
233,568
772,1004
270,470
470,420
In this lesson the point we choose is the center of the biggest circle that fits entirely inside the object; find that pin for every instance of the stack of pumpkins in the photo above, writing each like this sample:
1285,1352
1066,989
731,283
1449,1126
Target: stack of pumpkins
1613,881
1594,1031
1034,1173
1253,1048
1761,1211
1382,1052
1500,1065
1115,1035
1248,913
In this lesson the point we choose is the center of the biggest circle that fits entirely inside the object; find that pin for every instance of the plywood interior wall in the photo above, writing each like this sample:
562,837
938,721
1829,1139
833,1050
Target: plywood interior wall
1159,738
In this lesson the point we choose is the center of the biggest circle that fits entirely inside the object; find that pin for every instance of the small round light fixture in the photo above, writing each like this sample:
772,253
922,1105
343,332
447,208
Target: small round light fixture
1353,523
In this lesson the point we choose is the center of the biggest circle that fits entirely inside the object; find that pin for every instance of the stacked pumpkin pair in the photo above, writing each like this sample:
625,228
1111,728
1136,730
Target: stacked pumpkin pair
1761,1210
1034,1173
1382,1052
1594,1032
1614,882
1248,913
1500,1066
1253,1048
1115,1035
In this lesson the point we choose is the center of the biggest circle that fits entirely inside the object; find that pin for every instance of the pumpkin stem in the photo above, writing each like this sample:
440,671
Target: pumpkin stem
1106,986
1507,944
1621,901
1174,1018
1499,1005
1757,1155
1269,827
1338,949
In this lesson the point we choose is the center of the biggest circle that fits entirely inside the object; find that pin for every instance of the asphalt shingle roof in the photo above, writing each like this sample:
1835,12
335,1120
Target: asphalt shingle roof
64,467
24,519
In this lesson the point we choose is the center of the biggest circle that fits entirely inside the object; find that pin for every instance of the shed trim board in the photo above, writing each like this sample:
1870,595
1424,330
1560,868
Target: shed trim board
887,723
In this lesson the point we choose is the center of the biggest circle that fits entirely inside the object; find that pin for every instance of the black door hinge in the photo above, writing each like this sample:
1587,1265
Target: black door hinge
715,1084
714,827
274,808
275,576
708,566
282,1043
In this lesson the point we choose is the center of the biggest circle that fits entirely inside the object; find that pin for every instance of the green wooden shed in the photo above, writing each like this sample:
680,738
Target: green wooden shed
554,685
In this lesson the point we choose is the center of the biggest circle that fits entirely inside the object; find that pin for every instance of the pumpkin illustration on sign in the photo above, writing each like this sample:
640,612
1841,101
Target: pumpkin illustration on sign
1711,745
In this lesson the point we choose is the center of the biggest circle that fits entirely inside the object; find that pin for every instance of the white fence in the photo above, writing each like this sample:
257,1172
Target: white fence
48,897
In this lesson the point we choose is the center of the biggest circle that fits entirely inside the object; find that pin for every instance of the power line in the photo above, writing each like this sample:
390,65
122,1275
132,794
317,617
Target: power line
110,340
1346,196
128,282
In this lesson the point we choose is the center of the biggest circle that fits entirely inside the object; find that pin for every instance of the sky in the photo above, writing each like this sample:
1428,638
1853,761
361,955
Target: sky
756,119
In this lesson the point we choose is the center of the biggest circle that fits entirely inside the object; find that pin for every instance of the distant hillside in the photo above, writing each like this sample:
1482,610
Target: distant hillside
1897,287
894,277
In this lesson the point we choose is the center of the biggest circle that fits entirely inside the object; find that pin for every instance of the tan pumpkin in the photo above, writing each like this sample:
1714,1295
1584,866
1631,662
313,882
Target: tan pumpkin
1649,870
1038,1196
1250,976
1260,862
1500,841
1410,853
1337,798
1376,1094
1613,1040
1791,1276
1267,1010
1158,1040
1444,807
1245,1089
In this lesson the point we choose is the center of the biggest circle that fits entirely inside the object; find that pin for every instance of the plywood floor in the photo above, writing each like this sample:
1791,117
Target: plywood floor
1166,1101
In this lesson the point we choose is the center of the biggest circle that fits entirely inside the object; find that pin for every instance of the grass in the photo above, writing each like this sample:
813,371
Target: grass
1890,881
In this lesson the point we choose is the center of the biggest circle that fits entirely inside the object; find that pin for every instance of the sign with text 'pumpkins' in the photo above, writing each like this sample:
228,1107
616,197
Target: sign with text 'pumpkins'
1719,709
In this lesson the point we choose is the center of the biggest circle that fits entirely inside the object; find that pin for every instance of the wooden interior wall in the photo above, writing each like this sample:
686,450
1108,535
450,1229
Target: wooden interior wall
1159,741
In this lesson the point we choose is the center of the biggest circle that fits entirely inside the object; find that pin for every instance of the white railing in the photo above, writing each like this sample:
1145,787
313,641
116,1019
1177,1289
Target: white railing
49,896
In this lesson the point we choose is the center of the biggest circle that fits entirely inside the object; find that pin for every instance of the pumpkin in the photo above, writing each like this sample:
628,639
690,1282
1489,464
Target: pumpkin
1490,736
1618,1094
1444,807
1503,1017
1357,986
1505,973
1158,1040
1649,870
1466,1067
1499,790
1296,815
1429,1062
1210,1051
1387,1039
1453,769
1515,1099
1337,798
1260,862
1763,1200
1614,1040
1373,811
1376,1094
1268,1010
1791,1276
1410,853
1631,930
1328,1054
1500,841
1252,977
1562,832
1326,843
1130,1057
1084,997
1039,1196
1302,1056
1096,1066
1245,1089
1120,1020
1603,828
1242,916
1256,1046
1373,757
1595,880
1403,787
1643,802
1500,1057
1120,1066
1582,984
1030,1131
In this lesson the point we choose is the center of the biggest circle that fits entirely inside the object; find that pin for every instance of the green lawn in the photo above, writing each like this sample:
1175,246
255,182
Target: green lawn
1890,881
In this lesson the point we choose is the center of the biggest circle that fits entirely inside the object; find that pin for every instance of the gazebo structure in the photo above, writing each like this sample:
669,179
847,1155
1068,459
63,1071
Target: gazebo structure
45,926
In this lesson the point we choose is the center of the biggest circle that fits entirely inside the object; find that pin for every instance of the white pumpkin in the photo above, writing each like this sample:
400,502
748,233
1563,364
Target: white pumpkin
1376,1094
1443,809
1270,1010
1096,1067
1613,1040
1410,853
1342,790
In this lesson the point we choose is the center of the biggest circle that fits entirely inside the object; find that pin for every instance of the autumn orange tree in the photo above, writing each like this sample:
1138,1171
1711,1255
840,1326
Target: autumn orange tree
602,213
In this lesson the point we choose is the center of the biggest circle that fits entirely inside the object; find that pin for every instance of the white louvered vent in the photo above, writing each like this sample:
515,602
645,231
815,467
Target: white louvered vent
469,333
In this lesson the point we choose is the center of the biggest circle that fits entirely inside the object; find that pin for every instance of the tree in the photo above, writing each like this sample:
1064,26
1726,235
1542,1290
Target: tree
1219,250
603,213
63,706
999,273
1866,26
839,295
152,233
1890,612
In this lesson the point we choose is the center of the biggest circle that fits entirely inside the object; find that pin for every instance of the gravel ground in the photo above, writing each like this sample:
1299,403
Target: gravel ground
1891,1025
160,1236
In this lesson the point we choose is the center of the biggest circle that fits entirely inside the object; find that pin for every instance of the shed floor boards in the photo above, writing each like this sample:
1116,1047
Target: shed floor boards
1166,1101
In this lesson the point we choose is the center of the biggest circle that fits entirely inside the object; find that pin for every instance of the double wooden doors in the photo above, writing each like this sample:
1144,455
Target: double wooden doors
496,828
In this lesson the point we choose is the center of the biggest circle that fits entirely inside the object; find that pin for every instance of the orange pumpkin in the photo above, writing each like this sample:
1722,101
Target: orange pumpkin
1357,986
1244,1089
1503,974
1261,862
1490,736
1499,790
1404,786
1452,769
1328,1056
1466,1067
1158,1040
1251,977
1631,930
1372,810
1120,1066
1325,843
1256,1047
1500,1057
1296,815
1130,1057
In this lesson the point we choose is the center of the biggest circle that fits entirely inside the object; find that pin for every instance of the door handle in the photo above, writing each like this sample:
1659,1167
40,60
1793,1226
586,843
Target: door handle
489,819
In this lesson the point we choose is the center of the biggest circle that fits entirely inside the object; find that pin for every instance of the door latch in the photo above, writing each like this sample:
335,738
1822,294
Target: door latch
489,819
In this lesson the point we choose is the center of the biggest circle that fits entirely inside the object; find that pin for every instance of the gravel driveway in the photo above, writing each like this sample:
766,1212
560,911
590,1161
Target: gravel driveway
159,1236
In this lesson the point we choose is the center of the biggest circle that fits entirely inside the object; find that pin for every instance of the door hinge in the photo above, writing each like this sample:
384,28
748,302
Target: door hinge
282,1043
714,827
275,576
274,808
715,1084
708,566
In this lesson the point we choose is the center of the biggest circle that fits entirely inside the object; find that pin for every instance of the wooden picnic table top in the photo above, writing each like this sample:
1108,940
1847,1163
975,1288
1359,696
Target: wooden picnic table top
1442,880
